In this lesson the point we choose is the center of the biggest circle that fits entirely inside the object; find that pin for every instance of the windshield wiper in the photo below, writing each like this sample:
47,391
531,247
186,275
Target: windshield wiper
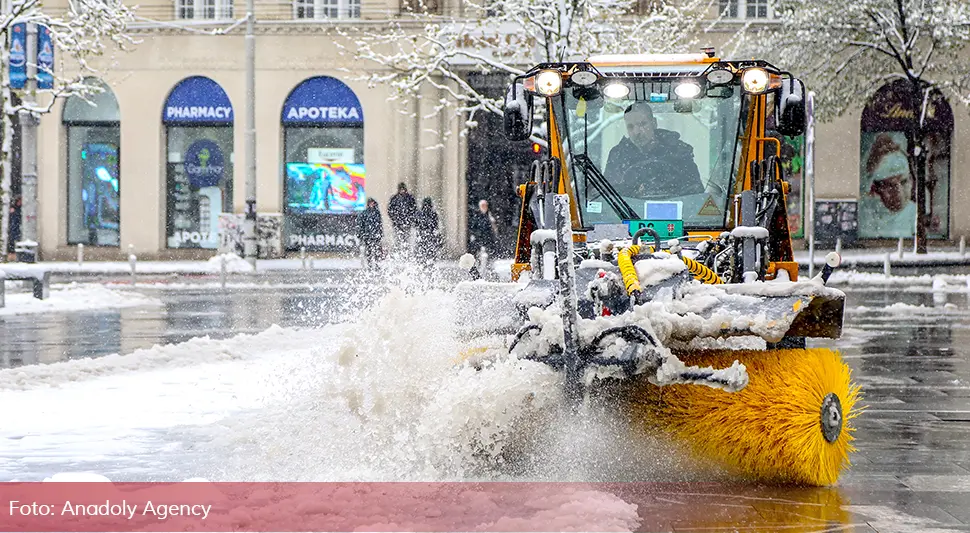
600,183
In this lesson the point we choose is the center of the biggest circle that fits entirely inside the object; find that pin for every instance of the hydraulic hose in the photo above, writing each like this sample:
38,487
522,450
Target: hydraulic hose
701,272
630,279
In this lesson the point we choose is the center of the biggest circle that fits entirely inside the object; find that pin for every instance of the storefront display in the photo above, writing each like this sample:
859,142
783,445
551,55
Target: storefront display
93,170
324,174
198,119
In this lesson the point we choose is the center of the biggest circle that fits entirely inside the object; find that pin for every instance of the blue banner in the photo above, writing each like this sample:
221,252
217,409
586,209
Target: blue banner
18,56
45,58
322,100
197,100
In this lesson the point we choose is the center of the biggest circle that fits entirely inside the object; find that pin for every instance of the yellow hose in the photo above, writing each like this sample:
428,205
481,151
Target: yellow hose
629,273
702,273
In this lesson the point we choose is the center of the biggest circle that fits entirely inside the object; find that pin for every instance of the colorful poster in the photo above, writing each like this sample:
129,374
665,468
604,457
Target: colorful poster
793,163
325,188
887,180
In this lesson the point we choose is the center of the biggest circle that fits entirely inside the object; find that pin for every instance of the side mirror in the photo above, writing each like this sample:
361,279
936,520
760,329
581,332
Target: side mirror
518,112
791,108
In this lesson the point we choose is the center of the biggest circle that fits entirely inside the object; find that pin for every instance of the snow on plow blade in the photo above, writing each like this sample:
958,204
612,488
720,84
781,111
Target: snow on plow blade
737,310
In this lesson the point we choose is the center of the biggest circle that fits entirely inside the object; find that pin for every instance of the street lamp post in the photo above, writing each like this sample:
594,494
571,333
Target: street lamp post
28,247
249,227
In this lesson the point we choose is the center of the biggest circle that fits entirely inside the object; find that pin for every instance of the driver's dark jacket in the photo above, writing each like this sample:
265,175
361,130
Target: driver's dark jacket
664,169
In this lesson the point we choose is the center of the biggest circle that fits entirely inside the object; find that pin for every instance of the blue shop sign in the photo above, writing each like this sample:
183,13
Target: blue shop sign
322,101
197,100
204,164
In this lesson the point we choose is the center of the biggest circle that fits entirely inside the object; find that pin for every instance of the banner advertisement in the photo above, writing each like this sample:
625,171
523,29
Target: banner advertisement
316,194
793,163
18,56
887,179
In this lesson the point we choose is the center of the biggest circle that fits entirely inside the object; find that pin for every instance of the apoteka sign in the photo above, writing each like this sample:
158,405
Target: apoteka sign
323,113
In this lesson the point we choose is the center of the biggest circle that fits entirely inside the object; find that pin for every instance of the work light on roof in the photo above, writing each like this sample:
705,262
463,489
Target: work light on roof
687,89
755,80
616,90
548,82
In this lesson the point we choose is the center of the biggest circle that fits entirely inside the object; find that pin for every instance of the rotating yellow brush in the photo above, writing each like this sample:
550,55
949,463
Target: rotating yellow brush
791,424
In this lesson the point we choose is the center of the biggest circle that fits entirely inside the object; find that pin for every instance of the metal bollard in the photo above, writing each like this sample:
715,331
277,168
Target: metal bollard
80,254
963,246
899,248
838,245
811,255
3,289
303,256
132,261
222,271
886,266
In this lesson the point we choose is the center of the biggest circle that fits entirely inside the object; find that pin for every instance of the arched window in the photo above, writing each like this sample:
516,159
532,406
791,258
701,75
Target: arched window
887,181
93,167
198,138
323,166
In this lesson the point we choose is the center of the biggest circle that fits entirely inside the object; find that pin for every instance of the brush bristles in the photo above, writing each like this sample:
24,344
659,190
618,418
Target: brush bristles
771,430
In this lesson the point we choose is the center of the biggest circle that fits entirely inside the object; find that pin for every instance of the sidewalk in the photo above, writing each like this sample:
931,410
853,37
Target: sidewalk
234,265
876,257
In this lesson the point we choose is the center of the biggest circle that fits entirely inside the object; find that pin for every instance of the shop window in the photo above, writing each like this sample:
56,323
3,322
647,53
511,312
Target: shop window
93,168
887,181
323,166
198,120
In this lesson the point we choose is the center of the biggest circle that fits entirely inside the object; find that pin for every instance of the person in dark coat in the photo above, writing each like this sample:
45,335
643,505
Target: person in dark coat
484,238
370,231
429,238
402,210
651,162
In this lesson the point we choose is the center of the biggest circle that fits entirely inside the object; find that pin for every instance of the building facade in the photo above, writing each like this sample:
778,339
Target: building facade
152,165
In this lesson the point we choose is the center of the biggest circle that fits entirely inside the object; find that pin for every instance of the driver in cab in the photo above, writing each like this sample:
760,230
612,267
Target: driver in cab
651,162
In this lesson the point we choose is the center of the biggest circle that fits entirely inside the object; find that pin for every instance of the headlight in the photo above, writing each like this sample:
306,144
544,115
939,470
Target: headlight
616,90
548,82
755,80
687,89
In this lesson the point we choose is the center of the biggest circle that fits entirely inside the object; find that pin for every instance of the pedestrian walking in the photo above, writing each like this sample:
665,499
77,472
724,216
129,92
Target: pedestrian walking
483,237
429,239
370,231
402,210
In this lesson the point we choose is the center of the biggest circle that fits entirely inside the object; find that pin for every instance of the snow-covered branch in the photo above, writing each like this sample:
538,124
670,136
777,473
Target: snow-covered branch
79,35
508,37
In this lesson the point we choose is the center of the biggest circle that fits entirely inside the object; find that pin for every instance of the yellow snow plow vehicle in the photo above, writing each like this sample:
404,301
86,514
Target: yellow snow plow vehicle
654,253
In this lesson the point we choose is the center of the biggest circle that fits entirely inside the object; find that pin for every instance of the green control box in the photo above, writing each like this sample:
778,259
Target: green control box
667,229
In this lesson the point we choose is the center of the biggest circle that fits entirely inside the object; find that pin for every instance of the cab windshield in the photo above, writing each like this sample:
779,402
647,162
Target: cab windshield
651,155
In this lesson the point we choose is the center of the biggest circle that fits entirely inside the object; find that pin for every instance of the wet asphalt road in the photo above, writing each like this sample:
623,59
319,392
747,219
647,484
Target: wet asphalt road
912,471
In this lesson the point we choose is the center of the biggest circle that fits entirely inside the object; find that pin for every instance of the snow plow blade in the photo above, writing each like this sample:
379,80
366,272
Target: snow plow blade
736,310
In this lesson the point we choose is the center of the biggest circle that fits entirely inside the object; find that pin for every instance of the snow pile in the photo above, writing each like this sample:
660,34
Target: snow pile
234,263
192,352
75,297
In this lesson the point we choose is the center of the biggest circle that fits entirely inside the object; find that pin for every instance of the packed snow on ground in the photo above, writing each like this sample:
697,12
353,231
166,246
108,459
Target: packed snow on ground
72,297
